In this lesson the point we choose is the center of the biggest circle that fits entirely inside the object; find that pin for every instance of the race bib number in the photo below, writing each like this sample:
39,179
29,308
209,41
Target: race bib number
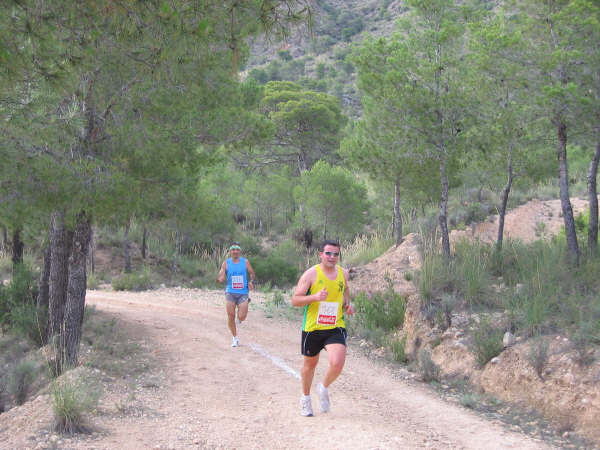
237,282
327,313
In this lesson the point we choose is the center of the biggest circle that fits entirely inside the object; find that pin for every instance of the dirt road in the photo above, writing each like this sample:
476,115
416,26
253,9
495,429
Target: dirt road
216,396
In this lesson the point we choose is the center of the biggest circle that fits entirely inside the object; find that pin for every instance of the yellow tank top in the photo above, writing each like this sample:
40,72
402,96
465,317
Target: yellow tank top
329,313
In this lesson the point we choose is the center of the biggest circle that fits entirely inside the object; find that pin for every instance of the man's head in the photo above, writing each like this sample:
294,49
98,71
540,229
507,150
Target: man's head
235,249
329,253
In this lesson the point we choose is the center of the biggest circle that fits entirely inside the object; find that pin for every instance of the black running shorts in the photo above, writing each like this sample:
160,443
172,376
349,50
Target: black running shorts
315,341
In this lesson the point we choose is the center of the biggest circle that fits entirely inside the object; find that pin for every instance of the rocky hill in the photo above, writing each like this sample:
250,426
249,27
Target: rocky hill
316,58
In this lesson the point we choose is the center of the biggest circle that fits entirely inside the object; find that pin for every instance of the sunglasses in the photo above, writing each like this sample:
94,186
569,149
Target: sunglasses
332,253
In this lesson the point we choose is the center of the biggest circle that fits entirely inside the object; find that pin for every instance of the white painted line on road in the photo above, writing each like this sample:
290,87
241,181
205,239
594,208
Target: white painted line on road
274,359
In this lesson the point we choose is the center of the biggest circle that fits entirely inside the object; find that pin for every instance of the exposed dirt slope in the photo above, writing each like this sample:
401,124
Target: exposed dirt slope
569,395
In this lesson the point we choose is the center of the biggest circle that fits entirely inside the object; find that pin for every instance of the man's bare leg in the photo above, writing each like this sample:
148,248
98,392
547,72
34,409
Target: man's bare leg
230,307
308,372
243,311
337,358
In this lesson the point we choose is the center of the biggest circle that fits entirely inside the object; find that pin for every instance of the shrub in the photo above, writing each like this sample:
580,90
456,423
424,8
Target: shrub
276,299
399,350
429,370
22,290
447,306
434,276
487,342
538,355
93,281
18,305
135,281
71,400
366,248
20,380
275,269
29,322
469,400
471,271
382,310
582,343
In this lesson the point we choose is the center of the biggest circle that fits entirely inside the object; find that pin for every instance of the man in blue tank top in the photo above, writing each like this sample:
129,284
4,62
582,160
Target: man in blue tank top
236,270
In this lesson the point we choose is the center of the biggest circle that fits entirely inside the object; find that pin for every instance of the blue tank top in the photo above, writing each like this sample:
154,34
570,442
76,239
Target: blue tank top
237,277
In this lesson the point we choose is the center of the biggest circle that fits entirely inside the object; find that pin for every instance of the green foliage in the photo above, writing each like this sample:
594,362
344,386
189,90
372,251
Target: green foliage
434,277
93,281
399,350
71,401
582,225
471,271
384,311
365,248
29,322
307,124
284,55
537,355
333,201
18,310
470,400
586,334
276,270
135,281
20,380
486,341
429,370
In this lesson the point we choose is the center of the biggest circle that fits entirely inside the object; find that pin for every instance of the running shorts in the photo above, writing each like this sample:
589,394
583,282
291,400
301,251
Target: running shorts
315,341
238,299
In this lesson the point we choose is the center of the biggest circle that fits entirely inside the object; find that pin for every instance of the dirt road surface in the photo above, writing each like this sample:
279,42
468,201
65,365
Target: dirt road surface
216,396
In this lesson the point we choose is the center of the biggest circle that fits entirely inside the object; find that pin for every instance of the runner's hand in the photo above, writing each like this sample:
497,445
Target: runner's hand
349,309
322,295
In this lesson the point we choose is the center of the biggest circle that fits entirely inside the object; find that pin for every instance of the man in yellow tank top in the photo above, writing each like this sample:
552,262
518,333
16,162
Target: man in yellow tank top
323,292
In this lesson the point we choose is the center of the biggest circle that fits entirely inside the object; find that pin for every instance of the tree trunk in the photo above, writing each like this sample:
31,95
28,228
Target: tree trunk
443,219
73,317
60,247
397,215
144,236
565,201
4,238
92,252
126,247
593,200
176,253
17,247
505,193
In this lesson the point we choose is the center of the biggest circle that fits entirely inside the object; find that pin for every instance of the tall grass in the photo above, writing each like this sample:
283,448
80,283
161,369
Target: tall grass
71,401
534,284
366,248
20,380
471,268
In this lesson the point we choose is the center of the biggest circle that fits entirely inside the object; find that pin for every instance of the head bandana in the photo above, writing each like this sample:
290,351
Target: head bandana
235,247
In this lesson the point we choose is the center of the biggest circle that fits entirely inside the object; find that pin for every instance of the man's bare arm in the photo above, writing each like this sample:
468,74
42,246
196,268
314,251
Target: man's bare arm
250,270
306,280
221,276
347,305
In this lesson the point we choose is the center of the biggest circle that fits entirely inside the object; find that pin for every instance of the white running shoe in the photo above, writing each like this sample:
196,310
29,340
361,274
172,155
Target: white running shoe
323,398
235,342
306,406
238,322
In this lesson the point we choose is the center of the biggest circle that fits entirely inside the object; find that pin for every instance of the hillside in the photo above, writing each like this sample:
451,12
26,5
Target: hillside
317,59
566,393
